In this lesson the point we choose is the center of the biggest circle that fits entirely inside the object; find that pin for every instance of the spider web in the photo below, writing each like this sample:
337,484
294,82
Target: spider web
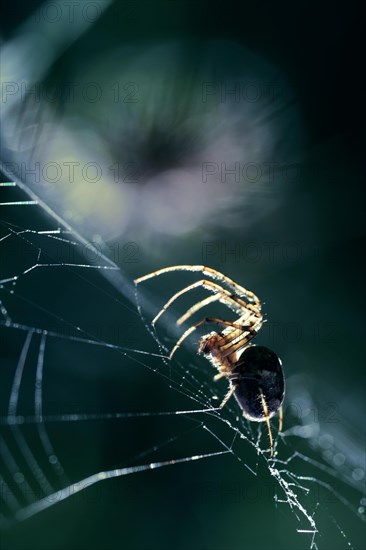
64,379
89,398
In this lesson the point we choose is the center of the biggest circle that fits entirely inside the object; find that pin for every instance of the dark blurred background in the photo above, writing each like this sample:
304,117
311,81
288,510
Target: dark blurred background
165,131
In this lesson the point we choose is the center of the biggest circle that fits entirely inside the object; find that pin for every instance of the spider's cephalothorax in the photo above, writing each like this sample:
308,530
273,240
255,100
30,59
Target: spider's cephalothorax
255,373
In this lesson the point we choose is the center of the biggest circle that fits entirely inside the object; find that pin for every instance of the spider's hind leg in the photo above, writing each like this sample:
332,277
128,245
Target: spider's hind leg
280,419
266,414
227,396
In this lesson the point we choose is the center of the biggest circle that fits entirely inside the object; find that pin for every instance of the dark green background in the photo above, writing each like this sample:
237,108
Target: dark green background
208,504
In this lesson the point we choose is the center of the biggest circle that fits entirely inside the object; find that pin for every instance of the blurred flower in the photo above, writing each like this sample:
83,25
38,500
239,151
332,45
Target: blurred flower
154,142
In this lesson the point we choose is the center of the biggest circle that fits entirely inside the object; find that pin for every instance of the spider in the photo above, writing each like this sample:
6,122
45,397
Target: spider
255,373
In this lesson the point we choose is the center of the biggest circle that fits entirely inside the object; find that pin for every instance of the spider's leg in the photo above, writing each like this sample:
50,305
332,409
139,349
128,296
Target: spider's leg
154,274
280,420
218,376
241,291
235,342
198,306
233,302
232,352
227,396
241,343
195,327
213,287
231,338
265,410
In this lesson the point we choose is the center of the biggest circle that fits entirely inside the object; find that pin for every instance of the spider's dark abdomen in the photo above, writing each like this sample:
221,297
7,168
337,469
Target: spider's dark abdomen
258,370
